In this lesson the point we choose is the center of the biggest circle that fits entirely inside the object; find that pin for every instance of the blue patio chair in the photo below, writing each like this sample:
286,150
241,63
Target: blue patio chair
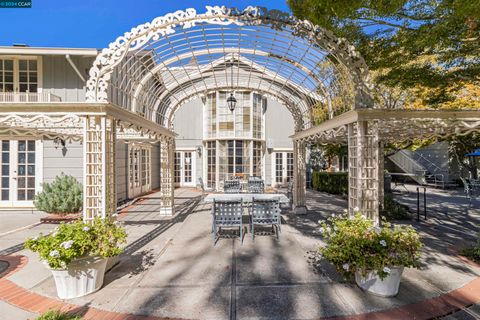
266,212
290,189
231,186
469,189
227,214
205,189
256,185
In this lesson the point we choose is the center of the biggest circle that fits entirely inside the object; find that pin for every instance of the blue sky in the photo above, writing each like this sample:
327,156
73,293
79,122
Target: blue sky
94,23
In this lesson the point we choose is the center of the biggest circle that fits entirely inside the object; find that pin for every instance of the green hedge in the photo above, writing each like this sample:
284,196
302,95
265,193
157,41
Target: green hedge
330,182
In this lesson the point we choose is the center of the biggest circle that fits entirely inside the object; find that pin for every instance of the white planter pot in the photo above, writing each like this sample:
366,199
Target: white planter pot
82,276
388,287
111,262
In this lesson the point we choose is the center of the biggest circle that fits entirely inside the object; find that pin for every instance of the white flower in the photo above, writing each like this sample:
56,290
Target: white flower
386,270
85,228
322,229
345,211
66,244
54,254
328,229
346,266
333,215
35,238
383,243
356,209
319,221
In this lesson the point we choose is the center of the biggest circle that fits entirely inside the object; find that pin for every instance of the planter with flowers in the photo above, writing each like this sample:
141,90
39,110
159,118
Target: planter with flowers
374,256
77,254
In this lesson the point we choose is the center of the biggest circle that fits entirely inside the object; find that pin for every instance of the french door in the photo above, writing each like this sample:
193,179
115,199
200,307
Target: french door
185,168
140,171
21,169
282,167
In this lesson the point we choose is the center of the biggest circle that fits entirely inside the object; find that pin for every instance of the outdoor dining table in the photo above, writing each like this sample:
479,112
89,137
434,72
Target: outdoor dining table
246,197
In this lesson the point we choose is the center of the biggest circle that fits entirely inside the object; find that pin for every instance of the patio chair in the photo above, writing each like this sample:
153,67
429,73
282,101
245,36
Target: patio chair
290,189
231,186
265,212
205,189
227,214
468,188
256,185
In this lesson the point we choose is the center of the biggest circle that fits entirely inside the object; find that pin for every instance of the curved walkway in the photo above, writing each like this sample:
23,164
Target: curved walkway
173,271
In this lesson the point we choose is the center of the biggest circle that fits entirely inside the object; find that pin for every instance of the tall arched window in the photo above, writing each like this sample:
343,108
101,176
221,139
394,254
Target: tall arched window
234,140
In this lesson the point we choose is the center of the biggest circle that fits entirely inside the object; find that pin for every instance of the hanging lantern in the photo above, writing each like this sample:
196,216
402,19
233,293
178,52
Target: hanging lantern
231,102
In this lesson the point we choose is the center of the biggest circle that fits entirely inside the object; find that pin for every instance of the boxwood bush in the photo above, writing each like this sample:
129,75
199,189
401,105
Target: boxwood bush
64,195
330,182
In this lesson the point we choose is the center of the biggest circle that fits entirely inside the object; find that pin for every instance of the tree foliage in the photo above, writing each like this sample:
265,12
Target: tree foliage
394,35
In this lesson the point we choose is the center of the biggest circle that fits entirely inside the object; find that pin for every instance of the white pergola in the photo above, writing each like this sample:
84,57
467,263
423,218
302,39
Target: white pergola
366,131
97,126
155,68
138,82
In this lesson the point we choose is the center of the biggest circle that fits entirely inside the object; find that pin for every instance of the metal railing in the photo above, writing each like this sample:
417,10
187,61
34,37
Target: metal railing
404,161
22,97
427,163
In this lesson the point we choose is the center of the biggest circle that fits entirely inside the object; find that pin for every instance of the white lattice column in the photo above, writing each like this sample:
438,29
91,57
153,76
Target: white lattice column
299,171
381,175
167,149
99,186
365,170
352,169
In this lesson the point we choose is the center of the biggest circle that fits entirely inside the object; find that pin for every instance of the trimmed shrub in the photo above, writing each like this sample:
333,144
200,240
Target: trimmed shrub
392,210
57,315
62,196
472,252
330,182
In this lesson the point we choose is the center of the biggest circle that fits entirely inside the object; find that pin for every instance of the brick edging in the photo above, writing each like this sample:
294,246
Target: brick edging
427,309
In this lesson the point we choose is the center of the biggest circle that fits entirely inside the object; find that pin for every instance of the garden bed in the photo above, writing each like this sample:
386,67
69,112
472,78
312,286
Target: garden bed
59,218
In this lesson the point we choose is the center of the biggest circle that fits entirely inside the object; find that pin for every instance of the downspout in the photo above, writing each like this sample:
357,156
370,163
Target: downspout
74,66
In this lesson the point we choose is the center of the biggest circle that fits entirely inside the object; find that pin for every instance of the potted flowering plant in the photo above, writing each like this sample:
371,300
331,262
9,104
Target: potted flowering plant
375,256
77,253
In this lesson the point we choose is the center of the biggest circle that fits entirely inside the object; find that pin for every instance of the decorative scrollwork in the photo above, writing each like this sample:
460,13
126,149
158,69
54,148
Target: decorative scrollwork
41,121
105,63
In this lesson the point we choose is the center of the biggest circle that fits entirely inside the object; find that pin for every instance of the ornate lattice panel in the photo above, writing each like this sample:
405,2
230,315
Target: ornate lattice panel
352,169
167,147
364,169
99,167
299,169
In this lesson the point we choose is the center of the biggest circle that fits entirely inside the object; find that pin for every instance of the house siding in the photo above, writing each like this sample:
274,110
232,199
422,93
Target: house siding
121,167
155,166
68,160
60,79
188,124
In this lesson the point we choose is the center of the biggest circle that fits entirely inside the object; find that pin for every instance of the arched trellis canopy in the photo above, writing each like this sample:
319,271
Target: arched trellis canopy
158,66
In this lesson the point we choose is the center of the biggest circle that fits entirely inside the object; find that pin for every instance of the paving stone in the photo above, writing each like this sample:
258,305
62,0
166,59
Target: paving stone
9,312
182,302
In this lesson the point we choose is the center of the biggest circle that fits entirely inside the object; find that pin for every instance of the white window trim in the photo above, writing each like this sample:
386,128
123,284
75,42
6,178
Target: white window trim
16,204
15,59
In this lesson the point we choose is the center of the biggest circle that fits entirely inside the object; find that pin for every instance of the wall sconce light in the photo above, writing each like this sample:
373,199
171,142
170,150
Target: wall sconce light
199,151
57,142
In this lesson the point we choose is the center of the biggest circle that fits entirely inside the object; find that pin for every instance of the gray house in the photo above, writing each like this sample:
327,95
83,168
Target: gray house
213,143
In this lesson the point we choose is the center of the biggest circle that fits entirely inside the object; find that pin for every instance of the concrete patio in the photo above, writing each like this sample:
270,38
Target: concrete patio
171,269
